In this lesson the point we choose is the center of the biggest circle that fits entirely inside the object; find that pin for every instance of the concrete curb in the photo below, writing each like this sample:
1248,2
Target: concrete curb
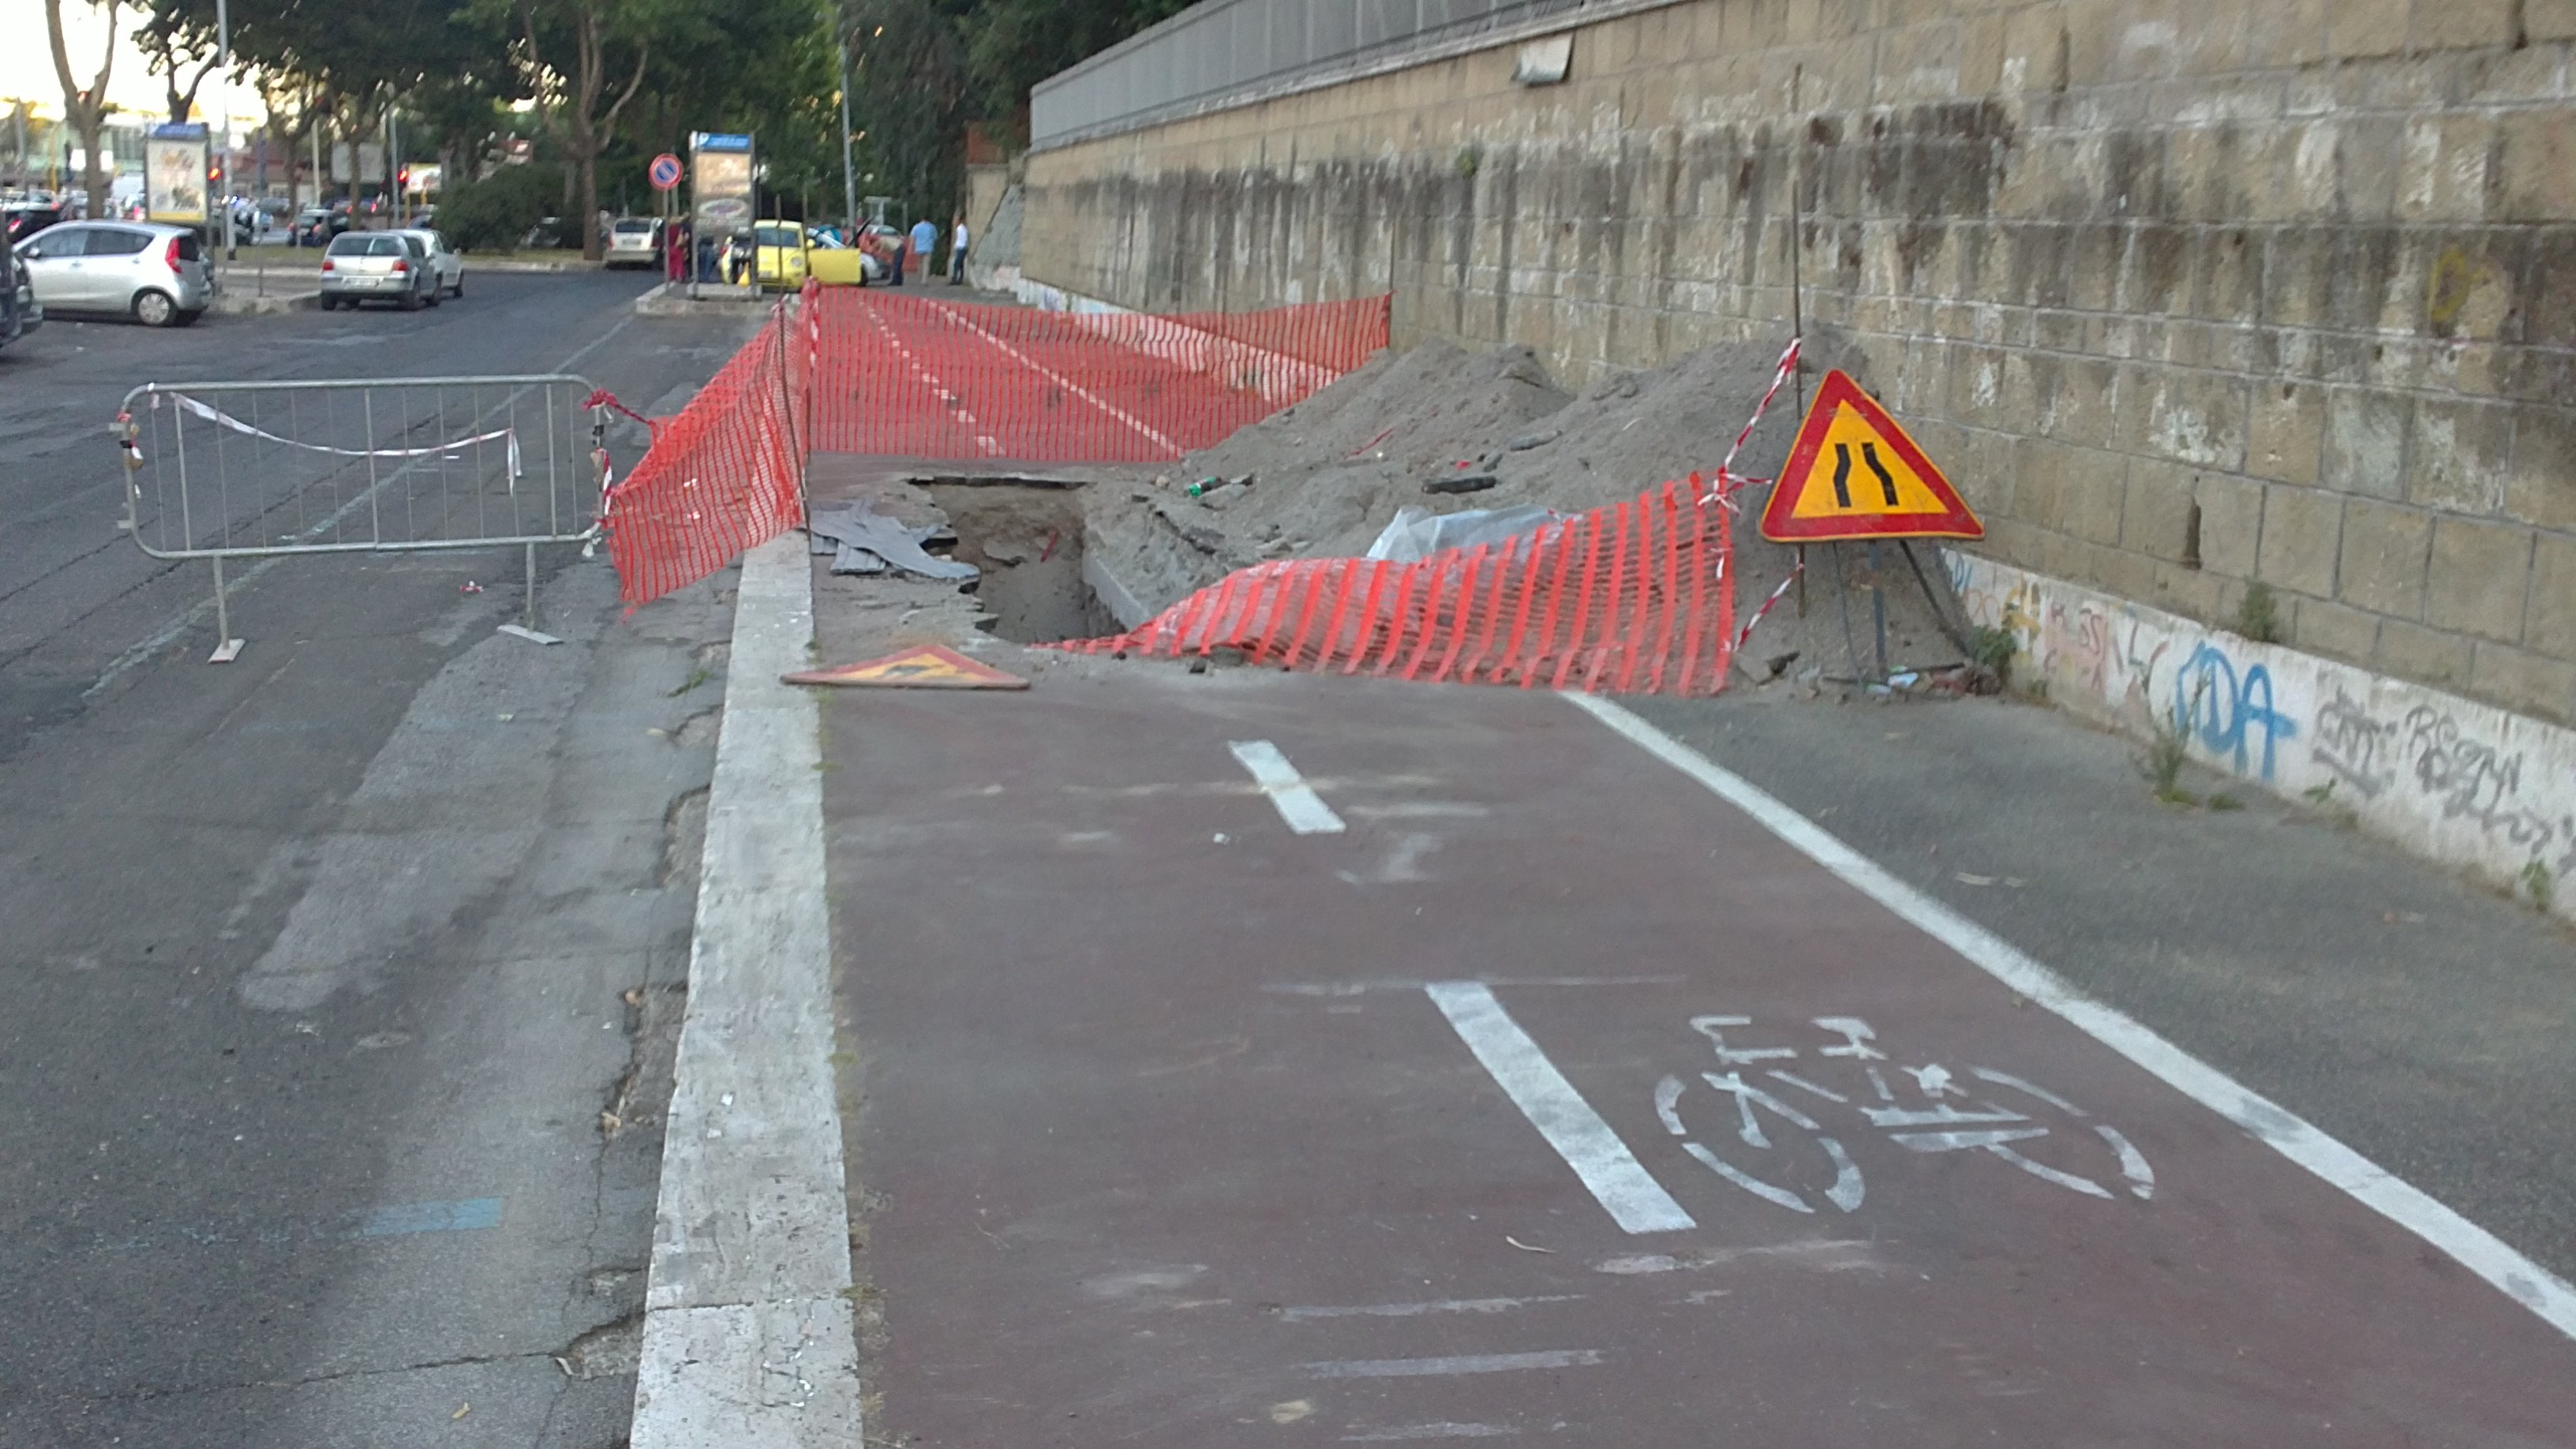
749,1334
234,304
671,299
498,265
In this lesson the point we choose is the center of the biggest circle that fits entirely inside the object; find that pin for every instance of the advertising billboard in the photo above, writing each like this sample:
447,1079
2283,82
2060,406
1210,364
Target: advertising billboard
720,181
174,174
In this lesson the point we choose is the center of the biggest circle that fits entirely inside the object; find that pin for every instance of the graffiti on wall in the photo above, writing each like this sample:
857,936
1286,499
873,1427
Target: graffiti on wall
2406,761
2224,707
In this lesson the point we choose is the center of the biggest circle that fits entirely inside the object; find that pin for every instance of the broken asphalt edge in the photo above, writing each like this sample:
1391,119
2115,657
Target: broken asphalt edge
749,1339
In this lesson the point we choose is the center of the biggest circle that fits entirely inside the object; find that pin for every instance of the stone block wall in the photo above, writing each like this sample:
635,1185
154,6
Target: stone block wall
2186,294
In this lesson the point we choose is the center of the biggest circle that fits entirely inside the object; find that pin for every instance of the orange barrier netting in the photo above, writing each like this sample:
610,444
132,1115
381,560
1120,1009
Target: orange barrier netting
1633,597
916,375
867,371
726,474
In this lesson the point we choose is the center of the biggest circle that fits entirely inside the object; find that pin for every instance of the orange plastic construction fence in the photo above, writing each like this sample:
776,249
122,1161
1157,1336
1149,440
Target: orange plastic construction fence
725,475
1633,597
873,371
916,375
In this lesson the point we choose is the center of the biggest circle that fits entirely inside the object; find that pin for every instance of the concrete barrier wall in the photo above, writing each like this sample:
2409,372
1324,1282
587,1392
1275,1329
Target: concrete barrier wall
2185,293
2449,778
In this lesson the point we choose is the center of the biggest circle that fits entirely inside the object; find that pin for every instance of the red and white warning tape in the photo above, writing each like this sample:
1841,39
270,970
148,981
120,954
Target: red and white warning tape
507,436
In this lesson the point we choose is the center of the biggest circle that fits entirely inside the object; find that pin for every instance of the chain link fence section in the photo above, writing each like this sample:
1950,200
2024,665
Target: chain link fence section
1222,51
259,470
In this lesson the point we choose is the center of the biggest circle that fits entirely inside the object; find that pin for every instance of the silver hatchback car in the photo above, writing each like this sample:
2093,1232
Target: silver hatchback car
155,274
381,266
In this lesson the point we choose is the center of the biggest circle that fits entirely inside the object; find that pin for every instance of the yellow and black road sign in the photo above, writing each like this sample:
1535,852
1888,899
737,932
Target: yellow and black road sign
1853,473
926,666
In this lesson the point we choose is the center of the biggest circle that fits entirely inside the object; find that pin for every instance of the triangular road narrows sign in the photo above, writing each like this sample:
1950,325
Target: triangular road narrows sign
925,666
1855,474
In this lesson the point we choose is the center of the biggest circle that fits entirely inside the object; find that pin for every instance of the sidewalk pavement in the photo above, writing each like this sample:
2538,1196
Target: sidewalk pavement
1179,1094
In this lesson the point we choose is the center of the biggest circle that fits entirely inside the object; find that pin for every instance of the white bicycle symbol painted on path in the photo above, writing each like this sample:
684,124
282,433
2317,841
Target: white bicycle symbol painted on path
1926,1108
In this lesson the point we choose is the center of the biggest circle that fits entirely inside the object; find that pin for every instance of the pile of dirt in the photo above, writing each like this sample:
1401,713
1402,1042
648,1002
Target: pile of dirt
1329,473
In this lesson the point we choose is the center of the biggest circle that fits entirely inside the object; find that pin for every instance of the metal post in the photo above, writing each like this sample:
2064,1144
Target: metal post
849,168
227,648
1878,609
224,130
531,595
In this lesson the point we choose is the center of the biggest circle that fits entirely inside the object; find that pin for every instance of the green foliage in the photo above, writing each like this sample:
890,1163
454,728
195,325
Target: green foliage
2168,749
2538,884
1993,648
493,213
1011,45
2258,614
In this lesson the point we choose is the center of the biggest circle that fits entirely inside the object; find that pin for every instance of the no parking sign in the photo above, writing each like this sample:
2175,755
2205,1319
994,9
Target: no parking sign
665,171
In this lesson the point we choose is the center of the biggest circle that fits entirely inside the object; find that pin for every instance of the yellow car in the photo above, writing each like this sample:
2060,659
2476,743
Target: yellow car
833,263
779,250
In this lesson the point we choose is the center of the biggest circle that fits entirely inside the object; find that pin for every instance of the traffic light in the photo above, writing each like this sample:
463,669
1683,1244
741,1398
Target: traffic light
402,178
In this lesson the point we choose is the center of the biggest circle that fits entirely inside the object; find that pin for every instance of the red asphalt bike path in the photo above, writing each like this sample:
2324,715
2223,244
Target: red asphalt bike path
961,389
1550,1098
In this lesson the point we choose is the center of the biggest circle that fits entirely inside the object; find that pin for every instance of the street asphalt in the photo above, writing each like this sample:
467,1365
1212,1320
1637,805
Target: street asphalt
339,982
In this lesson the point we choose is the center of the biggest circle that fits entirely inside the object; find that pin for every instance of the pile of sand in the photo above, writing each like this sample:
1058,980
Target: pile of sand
1330,472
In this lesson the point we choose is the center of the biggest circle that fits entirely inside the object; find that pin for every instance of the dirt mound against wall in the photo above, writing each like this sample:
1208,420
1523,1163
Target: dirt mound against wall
1331,472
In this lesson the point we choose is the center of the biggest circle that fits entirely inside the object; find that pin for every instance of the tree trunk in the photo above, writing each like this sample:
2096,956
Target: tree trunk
84,110
591,249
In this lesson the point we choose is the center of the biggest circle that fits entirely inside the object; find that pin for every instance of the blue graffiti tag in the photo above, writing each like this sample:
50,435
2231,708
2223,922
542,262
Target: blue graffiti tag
2214,703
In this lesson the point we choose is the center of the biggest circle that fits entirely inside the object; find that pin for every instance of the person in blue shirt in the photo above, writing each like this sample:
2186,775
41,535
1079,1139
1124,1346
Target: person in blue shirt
925,236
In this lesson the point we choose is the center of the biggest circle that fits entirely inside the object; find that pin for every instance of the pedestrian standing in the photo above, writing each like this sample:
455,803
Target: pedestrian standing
925,240
957,252
902,252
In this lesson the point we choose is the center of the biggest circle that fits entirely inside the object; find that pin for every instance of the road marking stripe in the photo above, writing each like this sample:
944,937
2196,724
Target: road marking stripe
402,1219
1634,1199
1297,802
1409,1310
1482,1363
2402,1203
1443,1430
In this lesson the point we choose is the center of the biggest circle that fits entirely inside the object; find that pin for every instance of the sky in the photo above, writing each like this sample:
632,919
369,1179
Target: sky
27,65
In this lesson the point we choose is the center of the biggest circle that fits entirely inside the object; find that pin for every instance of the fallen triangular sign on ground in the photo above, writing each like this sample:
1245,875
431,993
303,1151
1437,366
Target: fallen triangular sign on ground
924,666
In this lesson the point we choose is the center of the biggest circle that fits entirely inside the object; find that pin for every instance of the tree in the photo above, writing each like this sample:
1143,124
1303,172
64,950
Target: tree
85,110
584,60
171,41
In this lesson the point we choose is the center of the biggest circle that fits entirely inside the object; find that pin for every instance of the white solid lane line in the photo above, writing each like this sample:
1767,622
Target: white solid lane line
2402,1203
1634,1199
1299,805
1482,1363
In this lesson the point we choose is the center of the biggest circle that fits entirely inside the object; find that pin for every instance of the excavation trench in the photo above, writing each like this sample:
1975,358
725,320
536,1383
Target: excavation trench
1026,536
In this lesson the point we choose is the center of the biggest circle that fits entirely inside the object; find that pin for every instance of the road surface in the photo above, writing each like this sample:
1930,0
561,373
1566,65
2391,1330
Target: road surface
323,966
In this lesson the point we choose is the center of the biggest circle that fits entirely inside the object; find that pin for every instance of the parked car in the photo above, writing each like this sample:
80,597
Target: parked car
778,255
446,264
155,274
19,314
550,231
833,262
316,225
27,220
635,241
378,266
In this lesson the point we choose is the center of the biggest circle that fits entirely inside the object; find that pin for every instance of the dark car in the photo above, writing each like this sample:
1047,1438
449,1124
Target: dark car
316,225
19,314
26,221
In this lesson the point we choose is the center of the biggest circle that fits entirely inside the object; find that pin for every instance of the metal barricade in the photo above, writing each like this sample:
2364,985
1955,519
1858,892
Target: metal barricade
262,470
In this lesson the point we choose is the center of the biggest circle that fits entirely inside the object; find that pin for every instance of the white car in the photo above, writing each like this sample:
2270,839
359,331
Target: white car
635,241
445,264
